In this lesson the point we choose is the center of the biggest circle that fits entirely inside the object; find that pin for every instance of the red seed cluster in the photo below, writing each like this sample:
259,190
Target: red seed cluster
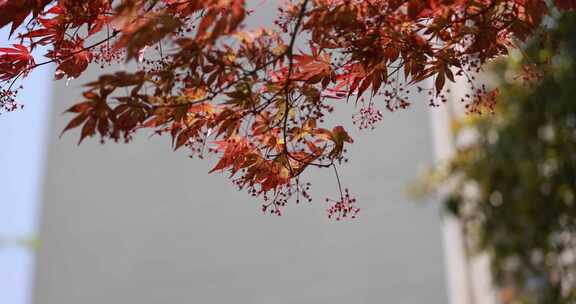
343,208
8,101
367,117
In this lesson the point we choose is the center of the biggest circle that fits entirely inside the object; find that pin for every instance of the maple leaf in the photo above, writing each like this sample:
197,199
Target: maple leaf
74,59
16,11
313,69
146,31
15,61
339,136
94,114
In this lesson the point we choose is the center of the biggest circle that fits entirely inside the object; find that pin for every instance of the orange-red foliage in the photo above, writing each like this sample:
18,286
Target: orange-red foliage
249,95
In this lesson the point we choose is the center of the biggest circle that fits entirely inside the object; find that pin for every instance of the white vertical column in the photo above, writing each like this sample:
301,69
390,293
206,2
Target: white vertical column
459,291
469,277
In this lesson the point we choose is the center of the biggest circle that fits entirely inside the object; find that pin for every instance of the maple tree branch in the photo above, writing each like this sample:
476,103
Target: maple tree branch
338,180
290,55
233,83
264,96
87,48
84,49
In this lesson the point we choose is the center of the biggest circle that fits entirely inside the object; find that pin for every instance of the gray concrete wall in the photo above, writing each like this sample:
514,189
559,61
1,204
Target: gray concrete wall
139,223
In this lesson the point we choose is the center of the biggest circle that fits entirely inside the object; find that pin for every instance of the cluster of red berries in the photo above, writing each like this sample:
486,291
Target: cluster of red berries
482,101
367,117
8,100
343,208
105,55
395,97
274,204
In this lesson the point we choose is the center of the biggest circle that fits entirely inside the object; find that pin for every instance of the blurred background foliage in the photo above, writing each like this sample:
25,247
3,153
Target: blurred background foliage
9,242
512,181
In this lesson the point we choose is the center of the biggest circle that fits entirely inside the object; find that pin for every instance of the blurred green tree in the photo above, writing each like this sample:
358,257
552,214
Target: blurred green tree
513,182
